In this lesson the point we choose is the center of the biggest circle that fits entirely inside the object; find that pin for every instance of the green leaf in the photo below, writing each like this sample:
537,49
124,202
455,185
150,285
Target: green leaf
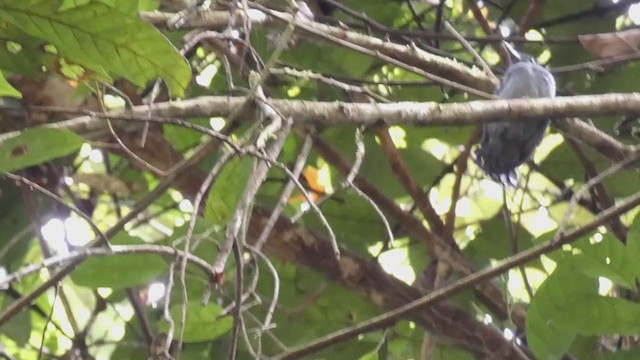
205,350
332,307
98,35
21,53
548,335
568,304
601,315
7,89
204,322
19,327
353,220
375,167
183,138
494,242
119,271
611,259
13,248
228,189
607,258
128,6
125,350
35,146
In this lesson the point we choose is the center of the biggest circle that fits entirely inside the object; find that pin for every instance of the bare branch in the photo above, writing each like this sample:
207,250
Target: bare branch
437,65
354,114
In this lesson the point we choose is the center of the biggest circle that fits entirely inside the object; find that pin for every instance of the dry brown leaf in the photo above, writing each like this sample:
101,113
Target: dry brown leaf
607,45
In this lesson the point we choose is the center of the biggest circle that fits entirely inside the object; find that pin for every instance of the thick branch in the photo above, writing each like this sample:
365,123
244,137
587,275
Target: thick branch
404,113
354,114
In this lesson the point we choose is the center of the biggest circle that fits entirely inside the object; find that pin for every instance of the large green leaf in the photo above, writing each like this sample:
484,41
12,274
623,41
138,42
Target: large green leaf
607,258
35,146
601,315
119,271
611,259
495,242
21,53
547,335
567,304
96,34
444,353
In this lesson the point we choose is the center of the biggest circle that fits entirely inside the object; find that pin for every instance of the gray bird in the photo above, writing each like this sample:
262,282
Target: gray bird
506,145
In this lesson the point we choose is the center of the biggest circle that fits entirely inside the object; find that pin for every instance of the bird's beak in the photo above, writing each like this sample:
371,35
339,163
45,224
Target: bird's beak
515,55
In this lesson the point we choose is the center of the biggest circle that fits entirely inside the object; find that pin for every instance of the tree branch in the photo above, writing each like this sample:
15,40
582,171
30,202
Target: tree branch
404,113
337,113
411,55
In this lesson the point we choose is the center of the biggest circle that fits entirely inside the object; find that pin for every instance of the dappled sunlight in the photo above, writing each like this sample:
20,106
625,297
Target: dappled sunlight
78,231
206,75
549,143
634,13
178,136
155,293
396,262
398,136
516,286
54,233
440,149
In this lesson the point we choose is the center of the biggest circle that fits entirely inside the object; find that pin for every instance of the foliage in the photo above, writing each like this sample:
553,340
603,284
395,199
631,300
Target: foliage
108,55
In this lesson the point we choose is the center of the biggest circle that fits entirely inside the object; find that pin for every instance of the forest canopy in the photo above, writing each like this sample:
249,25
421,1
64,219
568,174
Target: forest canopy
319,179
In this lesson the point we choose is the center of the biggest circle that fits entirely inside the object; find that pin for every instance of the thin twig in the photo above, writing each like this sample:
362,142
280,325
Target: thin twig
461,167
471,51
593,181
601,195
204,187
166,313
286,192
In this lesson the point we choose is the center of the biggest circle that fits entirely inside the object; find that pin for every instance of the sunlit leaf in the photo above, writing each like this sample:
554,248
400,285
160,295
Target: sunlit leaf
98,34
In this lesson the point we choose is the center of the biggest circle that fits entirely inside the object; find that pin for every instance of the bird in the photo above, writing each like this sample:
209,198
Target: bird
505,145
